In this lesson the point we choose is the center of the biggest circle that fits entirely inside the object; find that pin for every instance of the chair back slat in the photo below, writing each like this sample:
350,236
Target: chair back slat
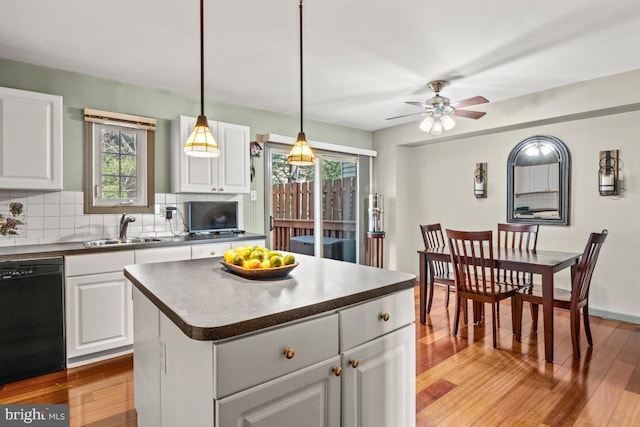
472,261
582,278
434,238
523,237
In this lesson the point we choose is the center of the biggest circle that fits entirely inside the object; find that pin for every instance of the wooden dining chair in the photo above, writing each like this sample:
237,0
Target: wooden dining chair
474,271
440,271
523,237
574,300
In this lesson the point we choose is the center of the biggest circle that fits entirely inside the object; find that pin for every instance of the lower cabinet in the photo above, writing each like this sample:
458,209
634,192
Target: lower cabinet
99,310
378,381
290,376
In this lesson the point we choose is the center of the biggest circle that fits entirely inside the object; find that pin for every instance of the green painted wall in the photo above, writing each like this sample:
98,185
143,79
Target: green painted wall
81,91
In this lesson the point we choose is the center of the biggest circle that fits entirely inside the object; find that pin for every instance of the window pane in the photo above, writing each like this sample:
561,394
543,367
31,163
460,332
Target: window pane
128,186
128,165
110,164
128,143
109,195
110,141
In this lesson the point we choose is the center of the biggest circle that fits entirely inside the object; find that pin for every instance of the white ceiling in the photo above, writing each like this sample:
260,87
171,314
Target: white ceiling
362,58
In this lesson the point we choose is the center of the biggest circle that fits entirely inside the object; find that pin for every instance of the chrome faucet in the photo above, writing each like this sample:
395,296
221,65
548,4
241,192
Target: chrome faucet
124,223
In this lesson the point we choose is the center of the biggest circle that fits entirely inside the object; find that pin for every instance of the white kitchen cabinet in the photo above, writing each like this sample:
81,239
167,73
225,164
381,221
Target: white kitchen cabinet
537,178
99,311
30,140
248,380
228,173
378,381
377,342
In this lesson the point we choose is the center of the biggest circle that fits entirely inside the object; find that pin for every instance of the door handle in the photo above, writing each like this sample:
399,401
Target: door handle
271,226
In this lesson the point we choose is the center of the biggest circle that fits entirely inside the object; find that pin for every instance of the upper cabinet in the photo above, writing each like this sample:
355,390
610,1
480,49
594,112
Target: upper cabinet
30,140
228,173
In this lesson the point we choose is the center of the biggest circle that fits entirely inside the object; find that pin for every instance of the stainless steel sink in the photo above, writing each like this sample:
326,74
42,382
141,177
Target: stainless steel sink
129,241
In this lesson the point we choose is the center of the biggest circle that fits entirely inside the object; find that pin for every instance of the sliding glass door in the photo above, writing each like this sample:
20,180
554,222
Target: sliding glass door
310,201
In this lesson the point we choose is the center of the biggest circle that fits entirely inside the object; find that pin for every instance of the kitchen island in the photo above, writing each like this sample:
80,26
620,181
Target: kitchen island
332,343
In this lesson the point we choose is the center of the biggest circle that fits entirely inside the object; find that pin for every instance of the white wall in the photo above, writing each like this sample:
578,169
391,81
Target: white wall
432,181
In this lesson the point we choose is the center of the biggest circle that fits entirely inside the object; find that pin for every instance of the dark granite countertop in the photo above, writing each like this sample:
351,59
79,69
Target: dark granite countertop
207,302
23,252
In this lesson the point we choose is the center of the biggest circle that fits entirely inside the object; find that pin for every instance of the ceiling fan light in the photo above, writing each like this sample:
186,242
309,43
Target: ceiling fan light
201,142
437,128
301,154
427,124
447,122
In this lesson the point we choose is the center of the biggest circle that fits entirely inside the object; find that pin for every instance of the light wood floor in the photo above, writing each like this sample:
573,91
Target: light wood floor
460,380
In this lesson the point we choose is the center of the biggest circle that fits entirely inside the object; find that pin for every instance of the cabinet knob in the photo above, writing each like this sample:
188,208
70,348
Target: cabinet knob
354,363
289,353
214,189
384,316
213,253
220,189
337,371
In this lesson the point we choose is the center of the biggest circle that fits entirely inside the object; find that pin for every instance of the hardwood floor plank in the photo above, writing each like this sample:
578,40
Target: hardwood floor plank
460,381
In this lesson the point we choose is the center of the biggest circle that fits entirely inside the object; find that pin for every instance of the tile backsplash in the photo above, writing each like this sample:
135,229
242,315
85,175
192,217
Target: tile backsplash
56,217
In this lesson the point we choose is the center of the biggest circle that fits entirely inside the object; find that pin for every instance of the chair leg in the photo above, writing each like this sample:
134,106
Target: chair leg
456,318
494,327
534,316
516,316
587,327
446,297
465,313
574,319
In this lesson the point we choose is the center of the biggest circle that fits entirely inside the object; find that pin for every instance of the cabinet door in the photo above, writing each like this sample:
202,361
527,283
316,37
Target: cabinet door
30,140
309,397
380,389
98,313
233,163
228,173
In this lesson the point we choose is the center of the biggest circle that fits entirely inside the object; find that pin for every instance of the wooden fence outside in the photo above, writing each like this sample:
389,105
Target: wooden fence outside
293,210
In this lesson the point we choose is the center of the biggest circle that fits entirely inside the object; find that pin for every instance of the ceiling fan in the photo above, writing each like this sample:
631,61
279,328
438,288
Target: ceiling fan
439,110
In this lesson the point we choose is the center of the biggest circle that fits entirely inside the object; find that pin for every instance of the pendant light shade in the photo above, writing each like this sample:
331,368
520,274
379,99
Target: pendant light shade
301,154
201,142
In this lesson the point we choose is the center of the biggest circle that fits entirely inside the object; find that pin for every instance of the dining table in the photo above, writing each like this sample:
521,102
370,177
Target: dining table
540,262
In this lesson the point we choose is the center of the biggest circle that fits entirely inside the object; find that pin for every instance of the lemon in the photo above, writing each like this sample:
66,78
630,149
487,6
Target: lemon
259,255
245,252
265,264
252,263
275,260
229,254
237,260
289,259
274,253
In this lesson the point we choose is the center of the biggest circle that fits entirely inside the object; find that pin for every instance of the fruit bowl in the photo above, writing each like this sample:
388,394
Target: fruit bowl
260,273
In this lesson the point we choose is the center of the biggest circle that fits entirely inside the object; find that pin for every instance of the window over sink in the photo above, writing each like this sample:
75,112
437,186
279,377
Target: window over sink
120,163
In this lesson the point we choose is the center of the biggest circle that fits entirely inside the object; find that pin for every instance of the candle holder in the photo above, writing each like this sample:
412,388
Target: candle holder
608,184
480,181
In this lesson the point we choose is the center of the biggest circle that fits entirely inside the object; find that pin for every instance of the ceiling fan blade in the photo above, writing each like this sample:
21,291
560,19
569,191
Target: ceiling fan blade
469,102
469,114
407,115
419,104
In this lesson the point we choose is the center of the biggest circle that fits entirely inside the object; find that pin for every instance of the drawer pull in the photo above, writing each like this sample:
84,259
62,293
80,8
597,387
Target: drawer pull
337,371
354,363
289,353
213,253
384,316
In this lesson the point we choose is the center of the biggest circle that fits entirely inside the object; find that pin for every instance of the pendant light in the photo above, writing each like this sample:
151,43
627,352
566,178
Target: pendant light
201,142
301,154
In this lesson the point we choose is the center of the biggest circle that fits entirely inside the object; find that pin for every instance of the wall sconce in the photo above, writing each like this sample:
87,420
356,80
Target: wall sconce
608,184
480,181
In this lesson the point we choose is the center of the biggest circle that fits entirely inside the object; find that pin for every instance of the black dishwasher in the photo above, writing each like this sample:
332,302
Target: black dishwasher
32,339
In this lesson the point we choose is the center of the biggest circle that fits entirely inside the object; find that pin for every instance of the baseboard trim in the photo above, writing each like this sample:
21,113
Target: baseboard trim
628,318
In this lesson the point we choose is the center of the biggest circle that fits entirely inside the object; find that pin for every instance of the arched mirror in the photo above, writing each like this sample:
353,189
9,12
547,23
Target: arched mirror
538,172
